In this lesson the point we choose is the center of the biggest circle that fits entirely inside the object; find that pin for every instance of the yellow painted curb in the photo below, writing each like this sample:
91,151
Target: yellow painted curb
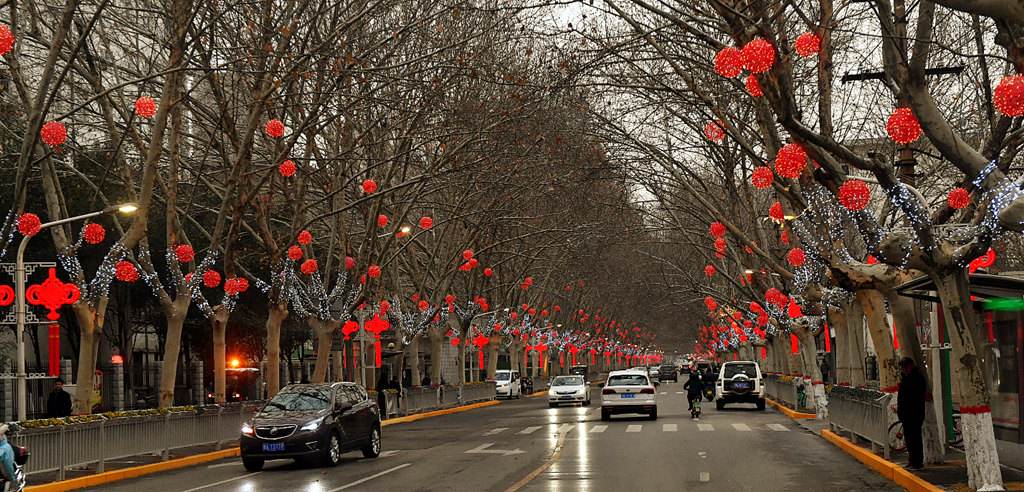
438,413
789,412
537,393
883,467
135,471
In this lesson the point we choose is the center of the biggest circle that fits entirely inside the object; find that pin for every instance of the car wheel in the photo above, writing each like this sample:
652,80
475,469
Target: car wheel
253,464
332,453
372,449
654,414
719,404
760,404
605,416
586,403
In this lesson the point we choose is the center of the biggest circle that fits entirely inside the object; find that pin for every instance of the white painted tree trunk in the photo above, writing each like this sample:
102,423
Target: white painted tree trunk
414,362
983,473
839,328
855,345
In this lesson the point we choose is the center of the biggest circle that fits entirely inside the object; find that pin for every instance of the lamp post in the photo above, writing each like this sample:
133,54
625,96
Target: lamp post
19,297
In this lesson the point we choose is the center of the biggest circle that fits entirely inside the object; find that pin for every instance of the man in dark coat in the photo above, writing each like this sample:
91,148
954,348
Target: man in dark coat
910,408
59,402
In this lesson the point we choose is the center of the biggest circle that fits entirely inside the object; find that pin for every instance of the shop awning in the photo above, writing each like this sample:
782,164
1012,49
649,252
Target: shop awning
982,286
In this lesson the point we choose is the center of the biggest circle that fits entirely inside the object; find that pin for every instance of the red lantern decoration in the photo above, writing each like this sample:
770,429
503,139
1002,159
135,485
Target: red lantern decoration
710,303
488,272
294,253
236,285
720,244
211,278
796,257
903,127
53,133
382,220
808,44
125,271
984,261
426,223
29,224
755,307
753,86
184,253
871,260
717,229
287,168
729,62
94,233
350,263
794,310
791,160
1008,97
709,270
274,128
854,195
762,177
467,254
714,132
369,186
423,305
958,198
758,56
304,237
454,341
6,39
145,107
776,213
373,271
309,266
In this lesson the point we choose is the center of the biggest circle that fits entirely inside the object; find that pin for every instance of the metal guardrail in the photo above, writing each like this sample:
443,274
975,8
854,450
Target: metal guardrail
477,392
783,392
860,414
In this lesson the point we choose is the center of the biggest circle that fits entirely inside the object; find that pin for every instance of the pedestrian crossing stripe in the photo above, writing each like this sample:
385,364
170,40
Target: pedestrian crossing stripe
529,430
705,427
778,427
634,428
496,430
669,428
597,429
741,427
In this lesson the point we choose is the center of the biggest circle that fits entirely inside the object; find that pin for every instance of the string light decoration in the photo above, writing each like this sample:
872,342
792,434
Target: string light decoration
53,133
304,237
426,223
287,168
758,55
791,160
958,198
125,271
729,62
717,229
6,39
753,86
274,128
796,257
709,270
808,44
714,132
29,224
1008,97
94,233
854,194
762,177
776,213
903,127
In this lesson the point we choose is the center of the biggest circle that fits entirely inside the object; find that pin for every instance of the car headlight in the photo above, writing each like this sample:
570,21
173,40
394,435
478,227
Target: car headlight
551,392
247,429
312,424
581,391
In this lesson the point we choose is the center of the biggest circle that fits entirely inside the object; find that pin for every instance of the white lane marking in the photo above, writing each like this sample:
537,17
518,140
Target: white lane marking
705,427
214,484
486,449
371,477
220,465
497,430
564,428
529,430
390,452
669,428
634,428
597,429
664,392
680,393
778,427
741,427
705,476
702,454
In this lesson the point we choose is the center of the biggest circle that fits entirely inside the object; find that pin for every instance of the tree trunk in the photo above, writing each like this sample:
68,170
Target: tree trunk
336,360
881,336
169,368
218,325
90,324
323,329
277,314
983,471
492,355
462,363
837,324
812,373
855,346
414,362
436,349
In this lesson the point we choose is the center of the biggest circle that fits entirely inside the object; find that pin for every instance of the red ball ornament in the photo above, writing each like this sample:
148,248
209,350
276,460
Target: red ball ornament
423,305
145,107
717,229
958,198
796,257
710,303
382,220
369,186
467,254
287,168
309,266
709,270
854,195
808,44
729,62
28,224
211,278
184,253
758,56
720,244
125,271
305,237
753,86
235,285
6,39
762,177
1008,97
791,160
53,133
94,233
714,132
903,127
488,272
350,263
776,213
426,222
373,271
473,262
294,253
274,128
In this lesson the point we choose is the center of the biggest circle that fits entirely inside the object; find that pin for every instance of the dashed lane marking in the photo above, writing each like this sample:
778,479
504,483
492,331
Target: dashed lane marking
390,452
634,428
529,430
705,427
702,454
564,428
778,427
741,427
597,429
680,392
496,430
669,428
705,476
371,477
664,392
214,484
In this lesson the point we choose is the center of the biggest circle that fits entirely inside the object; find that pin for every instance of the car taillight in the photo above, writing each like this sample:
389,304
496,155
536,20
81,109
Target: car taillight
607,391
647,391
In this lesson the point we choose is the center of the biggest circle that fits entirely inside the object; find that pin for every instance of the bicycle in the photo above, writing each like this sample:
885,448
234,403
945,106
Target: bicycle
695,408
896,441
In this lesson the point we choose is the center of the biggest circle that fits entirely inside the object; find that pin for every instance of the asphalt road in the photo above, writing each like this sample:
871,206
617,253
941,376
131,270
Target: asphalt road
524,445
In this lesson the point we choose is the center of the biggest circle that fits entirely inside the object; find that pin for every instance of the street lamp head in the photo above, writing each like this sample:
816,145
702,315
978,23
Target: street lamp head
127,208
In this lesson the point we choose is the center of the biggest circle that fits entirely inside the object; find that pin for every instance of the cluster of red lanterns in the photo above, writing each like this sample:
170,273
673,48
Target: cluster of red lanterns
6,39
776,213
758,55
729,62
903,127
720,246
373,271
309,267
94,233
527,283
762,177
274,128
304,237
145,107
808,44
854,195
211,278
294,253
53,133
236,285
791,160
709,270
958,198
1008,96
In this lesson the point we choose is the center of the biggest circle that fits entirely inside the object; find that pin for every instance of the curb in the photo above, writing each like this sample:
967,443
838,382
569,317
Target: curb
793,414
883,467
143,470
537,393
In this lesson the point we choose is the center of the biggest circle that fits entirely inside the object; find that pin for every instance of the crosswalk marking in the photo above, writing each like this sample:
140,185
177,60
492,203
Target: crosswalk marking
778,427
564,428
634,428
680,392
597,429
705,427
664,392
741,427
669,428
529,430
496,430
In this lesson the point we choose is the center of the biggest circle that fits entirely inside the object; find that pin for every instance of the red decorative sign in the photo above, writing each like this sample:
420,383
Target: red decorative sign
377,326
52,294
480,340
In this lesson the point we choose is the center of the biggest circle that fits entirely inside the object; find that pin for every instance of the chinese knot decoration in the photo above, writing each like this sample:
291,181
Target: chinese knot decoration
51,294
573,350
377,326
348,329
480,340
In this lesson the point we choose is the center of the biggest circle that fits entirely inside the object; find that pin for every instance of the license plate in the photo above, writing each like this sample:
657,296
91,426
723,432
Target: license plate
270,447
628,395
566,398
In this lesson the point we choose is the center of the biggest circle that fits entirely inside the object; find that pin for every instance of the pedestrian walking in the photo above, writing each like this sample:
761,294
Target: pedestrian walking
58,404
6,458
910,403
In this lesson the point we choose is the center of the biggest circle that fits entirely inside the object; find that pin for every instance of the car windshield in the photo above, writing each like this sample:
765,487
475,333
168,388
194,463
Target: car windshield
567,381
628,380
299,400
746,369
503,376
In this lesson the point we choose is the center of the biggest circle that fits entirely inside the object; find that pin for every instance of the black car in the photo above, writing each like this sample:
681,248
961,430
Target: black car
667,372
312,422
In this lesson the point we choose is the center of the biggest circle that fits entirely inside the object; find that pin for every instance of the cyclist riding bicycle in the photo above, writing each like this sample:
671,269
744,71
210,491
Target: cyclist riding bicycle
694,388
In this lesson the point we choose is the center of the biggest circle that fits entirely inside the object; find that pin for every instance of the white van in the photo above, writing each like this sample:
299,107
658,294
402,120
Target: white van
507,384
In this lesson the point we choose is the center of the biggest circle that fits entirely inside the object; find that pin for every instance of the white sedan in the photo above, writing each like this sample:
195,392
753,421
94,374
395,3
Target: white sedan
568,389
628,392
